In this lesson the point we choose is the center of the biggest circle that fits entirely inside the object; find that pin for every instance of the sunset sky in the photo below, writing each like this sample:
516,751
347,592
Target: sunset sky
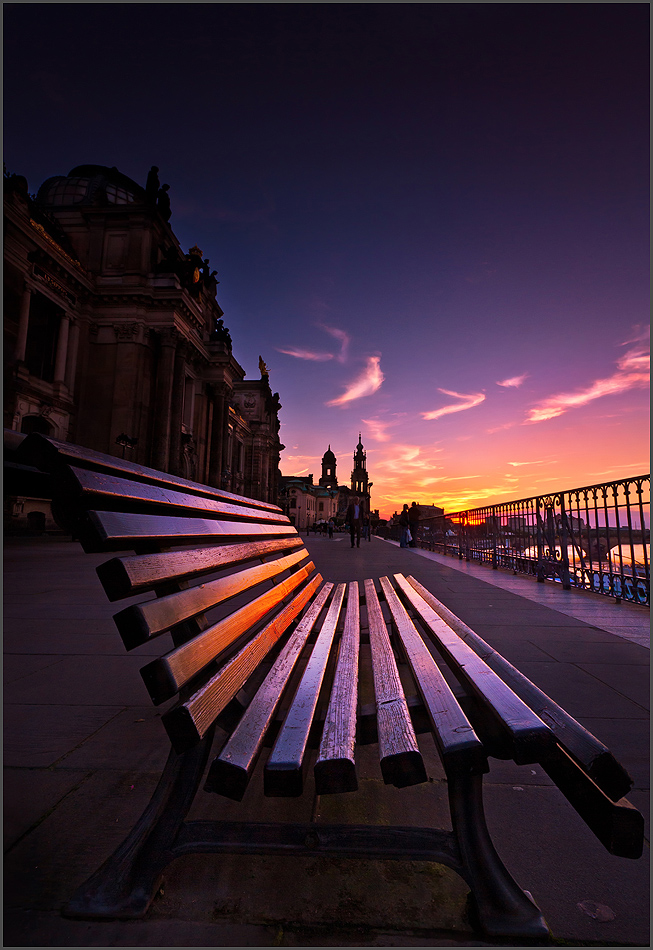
430,220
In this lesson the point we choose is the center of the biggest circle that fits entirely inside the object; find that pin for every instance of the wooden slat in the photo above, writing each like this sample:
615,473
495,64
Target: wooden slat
140,622
114,531
335,769
585,748
108,492
133,574
51,456
401,760
190,720
286,765
529,738
618,825
459,746
165,675
231,770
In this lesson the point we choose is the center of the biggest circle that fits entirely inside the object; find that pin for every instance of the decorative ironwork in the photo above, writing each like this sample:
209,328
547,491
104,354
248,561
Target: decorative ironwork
595,538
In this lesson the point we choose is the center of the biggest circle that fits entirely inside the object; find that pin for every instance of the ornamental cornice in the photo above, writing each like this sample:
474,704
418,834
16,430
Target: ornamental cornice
44,234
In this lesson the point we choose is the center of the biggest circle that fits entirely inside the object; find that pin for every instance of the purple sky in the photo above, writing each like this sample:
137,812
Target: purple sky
431,220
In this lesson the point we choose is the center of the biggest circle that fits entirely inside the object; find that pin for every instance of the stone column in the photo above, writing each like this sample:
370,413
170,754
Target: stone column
176,409
23,324
62,349
73,348
163,398
216,453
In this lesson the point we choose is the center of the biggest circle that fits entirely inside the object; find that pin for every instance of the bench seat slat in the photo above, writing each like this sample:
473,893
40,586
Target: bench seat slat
140,622
231,770
585,748
335,768
188,722
134,574
284,770
101,490
401,760
530,739
167,674
53,456
618,825
459,746
115,531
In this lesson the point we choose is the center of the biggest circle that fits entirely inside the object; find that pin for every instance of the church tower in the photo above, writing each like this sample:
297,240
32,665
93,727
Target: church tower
359,477
328,479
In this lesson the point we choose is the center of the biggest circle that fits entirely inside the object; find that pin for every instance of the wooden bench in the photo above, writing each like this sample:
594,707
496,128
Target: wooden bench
266,653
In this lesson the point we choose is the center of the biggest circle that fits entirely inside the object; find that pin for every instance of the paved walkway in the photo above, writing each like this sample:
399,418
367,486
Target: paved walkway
83,750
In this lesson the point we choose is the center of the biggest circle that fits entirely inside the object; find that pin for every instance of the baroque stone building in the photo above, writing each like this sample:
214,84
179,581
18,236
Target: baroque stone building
114,338
304,502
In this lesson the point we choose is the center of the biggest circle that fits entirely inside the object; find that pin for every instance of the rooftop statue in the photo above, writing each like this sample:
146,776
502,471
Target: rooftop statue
163,202
152,186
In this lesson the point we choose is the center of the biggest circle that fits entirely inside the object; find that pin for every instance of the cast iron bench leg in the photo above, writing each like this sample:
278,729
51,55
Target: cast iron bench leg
502,907
125,885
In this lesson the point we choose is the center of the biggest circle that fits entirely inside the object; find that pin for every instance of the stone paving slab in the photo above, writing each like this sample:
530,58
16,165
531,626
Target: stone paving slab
79,775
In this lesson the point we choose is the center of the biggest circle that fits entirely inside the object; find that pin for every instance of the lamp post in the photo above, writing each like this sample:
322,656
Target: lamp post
126,442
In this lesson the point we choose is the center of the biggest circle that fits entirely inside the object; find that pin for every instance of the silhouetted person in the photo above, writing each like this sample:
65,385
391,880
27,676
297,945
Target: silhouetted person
413,519
355,520
404,526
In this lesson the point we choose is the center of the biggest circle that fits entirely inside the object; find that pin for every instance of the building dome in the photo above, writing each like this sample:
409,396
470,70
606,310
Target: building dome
328,456
90,185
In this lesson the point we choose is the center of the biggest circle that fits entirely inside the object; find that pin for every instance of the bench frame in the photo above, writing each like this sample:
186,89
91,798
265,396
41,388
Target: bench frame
91,494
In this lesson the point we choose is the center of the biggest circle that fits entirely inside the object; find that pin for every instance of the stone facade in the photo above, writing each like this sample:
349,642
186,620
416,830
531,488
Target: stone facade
114,338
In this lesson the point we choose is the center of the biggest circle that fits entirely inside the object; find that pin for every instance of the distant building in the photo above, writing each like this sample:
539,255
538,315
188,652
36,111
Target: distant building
114,338
305,503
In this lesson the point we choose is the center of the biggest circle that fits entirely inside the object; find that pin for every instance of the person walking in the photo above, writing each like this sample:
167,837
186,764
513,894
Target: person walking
331,527
404,527
355,520
413,519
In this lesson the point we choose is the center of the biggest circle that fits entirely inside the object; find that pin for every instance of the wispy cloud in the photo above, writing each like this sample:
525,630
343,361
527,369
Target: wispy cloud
342,337
537,462
632,373
514,382
319,356
306,354
377,429
468,402
364,385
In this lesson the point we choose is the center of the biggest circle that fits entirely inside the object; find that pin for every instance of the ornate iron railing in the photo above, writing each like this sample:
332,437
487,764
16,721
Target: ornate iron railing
596,538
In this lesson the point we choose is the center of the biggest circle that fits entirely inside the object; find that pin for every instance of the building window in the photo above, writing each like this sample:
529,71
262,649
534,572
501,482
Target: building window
189,400
321,506
118,196
293,502
35,424
68,192
44,321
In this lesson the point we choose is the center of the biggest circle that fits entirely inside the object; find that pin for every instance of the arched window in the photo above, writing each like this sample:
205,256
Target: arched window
36,424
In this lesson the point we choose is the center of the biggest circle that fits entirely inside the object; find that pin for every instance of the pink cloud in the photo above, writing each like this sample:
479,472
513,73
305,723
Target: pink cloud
364,385
343,338
632,373
378,428
469,401
514,381
306,354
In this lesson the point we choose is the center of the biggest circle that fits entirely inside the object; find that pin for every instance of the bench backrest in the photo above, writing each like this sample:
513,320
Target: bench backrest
196,548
